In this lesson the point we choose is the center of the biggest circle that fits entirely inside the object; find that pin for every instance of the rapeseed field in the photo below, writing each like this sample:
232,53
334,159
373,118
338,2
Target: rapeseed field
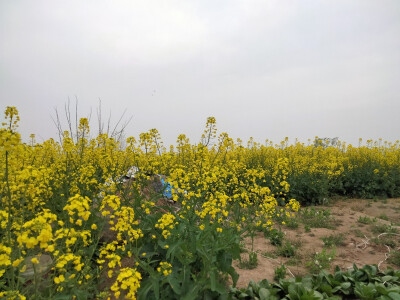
74,226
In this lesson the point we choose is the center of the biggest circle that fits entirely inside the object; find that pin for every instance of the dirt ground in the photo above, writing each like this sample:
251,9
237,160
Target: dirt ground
358,220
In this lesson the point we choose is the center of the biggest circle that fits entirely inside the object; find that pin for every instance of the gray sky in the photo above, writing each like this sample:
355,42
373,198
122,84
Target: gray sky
267,69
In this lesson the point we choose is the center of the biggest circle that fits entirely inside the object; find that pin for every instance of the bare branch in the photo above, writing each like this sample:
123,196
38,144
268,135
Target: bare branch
115,127
68,116
57,123
76,117
117,130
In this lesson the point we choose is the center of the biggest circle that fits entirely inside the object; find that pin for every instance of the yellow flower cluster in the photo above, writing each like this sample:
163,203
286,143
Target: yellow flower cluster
69,267
5,259
3,219
166,223
8,139
108,255
78,209
109,204
215,207
293,205
73,237
64,259
38,231
12,295
165,268
265,212
128,281
125,219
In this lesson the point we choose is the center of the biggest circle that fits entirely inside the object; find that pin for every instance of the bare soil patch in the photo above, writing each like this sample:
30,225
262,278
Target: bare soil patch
368,231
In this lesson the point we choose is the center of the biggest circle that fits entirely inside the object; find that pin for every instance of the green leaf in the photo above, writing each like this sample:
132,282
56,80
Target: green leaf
394,296
295,291
145,287
252,284
62,297
156,287
234,275
81,295
250,291
213,281
307,282
383,297
264,283
222,297
224,260
192,293
380,288
221,289
364,291
173,251
264,294
345,285
388,278
326,288
175,283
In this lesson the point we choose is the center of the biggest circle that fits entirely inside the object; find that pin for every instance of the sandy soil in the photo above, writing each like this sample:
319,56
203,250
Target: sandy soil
361,245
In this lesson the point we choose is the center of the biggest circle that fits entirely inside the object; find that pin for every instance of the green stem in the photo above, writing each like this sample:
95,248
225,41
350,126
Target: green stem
36,279
9,222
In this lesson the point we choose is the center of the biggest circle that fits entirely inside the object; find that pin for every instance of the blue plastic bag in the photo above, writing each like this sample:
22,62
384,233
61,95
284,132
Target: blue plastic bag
167,188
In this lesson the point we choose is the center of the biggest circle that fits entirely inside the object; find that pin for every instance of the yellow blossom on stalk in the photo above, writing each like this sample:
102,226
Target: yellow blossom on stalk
17,262
59,279
166,224
5,259
214,206
34,260
127,282
9,138
78,207
110,203
124,226
72,236
293,205
108,255
37,231
3,219
165,268
14,295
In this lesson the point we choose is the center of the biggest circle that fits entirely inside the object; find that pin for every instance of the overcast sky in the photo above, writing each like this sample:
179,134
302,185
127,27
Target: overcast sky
267,69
